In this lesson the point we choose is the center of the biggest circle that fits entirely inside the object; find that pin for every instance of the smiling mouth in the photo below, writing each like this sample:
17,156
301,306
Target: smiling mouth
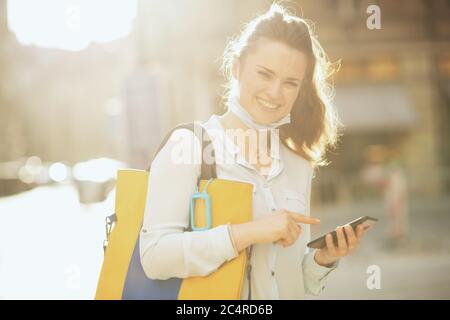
267,104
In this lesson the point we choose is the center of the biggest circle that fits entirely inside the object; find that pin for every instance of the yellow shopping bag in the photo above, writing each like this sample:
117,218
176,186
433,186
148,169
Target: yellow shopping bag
122,275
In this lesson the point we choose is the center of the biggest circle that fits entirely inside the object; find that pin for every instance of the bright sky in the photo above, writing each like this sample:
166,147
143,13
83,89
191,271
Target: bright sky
70,24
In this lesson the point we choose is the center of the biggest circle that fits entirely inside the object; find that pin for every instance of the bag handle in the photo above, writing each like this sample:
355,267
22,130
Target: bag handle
208,170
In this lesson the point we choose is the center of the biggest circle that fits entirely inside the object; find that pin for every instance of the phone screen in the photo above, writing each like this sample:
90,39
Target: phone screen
320,242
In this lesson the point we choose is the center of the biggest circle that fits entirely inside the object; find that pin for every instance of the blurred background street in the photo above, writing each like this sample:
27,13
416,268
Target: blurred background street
90,86
415,268
55,251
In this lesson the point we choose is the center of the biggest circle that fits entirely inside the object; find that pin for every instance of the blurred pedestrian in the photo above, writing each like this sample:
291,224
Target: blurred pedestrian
396,201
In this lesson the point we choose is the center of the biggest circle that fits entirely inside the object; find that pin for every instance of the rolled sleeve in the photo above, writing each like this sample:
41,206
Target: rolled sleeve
206,251
314,274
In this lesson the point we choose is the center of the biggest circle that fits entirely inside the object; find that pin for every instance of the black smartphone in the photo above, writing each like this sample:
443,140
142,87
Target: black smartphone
319,243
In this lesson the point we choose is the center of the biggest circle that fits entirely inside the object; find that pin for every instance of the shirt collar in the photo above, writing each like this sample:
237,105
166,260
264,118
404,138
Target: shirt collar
216,131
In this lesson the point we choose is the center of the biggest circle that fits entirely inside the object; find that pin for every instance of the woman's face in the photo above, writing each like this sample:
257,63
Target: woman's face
270,77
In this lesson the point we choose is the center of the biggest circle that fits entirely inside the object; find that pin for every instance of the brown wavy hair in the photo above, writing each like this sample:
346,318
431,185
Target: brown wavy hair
314,123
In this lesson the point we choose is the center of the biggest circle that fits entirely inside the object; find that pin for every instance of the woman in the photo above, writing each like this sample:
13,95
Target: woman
276,73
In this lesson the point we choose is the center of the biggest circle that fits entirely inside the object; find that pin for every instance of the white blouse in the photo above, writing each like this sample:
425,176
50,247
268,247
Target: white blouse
167,250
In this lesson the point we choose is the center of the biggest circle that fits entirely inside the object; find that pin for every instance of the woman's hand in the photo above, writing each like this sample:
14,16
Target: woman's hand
346,244
281,227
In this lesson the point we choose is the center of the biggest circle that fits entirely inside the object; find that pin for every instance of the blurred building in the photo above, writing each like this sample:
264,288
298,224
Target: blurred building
118,99
392,89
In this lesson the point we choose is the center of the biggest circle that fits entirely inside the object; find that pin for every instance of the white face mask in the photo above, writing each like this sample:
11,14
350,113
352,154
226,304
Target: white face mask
235,107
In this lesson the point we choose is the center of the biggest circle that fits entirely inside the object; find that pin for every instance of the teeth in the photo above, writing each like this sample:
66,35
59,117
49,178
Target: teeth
267,104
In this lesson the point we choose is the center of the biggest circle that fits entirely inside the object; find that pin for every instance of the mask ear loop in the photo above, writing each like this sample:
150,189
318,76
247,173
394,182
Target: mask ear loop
205,196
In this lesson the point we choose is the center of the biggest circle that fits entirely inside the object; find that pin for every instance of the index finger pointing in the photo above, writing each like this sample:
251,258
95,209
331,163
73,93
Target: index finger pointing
300,218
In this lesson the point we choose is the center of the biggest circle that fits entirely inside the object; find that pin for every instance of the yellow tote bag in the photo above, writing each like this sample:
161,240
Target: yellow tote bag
122,275
131,193
231,202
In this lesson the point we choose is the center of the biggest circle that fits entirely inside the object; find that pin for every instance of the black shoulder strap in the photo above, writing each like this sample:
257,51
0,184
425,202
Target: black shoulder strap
208,170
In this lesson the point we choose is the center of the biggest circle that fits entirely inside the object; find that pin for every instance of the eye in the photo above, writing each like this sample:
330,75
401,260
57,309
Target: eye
292,84
265,75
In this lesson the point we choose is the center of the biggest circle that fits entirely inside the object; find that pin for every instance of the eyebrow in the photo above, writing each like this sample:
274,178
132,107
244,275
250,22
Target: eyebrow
273,73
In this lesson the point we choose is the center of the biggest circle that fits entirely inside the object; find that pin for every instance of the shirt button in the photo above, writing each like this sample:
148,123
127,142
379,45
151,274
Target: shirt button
273,273
144,230
266,185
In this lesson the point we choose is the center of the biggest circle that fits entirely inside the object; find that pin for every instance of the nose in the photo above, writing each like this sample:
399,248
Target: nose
275,91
